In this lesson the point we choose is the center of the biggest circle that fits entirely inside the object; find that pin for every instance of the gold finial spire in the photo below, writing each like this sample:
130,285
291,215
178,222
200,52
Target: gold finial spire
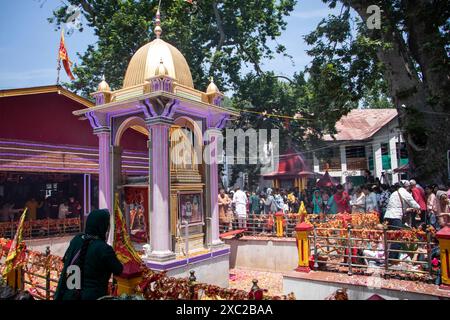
103,85
161,70
158,29
212,88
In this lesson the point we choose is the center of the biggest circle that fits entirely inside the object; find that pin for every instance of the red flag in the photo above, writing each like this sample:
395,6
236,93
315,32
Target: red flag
122,245
65,57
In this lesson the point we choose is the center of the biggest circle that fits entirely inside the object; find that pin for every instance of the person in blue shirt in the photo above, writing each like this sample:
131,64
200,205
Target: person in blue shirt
317,202
332,207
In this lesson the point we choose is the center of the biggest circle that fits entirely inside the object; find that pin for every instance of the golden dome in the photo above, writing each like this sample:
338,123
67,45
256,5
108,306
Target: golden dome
103,85
212,88
146,61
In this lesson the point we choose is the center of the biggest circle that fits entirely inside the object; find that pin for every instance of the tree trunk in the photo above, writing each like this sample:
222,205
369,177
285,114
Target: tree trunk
425,131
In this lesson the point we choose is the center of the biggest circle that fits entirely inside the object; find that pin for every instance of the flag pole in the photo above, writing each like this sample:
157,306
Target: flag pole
58,68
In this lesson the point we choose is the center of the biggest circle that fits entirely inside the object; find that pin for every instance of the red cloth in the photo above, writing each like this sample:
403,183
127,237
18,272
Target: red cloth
64,57
419,196
354,255
342,201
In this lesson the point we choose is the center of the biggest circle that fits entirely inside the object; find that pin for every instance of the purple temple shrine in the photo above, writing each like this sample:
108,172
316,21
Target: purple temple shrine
158,99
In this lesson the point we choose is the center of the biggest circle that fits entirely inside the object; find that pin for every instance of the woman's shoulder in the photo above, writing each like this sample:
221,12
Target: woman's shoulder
101,245
76,242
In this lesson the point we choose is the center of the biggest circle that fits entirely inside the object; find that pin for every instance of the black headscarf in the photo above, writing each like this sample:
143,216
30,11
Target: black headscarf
97,223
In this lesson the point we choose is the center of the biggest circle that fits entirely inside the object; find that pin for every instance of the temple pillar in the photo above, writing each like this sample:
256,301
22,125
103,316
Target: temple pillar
160,190
87,185
343,162
377,160
212,186
394,160
104,174
104,185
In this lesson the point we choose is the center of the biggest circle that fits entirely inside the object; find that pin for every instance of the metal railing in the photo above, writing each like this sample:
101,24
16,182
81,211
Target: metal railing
159,286
41,228
260,225
353,248
402,254
40,274
265,224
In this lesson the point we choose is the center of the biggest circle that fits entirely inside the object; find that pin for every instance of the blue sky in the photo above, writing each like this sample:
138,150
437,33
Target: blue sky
29,43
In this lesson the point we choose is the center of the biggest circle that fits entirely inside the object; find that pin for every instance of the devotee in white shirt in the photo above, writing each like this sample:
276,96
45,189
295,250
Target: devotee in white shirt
358,201
240,201
63,210
400,201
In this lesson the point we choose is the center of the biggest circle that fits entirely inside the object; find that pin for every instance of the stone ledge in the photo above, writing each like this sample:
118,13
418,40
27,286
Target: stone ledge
178,263
260,238
363,281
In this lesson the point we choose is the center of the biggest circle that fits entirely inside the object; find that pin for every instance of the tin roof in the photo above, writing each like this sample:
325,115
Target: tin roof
46,89
361,124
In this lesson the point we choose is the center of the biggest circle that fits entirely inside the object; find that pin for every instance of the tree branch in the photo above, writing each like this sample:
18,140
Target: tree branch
252,60
88,8
219,25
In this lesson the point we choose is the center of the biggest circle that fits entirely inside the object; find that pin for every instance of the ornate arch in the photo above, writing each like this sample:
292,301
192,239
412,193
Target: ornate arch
134,121
186,122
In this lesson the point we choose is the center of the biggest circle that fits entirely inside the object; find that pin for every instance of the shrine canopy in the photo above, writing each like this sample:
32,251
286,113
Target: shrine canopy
326,181
291,166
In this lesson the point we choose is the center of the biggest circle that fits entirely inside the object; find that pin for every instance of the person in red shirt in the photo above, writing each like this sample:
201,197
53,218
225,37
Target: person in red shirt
342,199
74,208
419,196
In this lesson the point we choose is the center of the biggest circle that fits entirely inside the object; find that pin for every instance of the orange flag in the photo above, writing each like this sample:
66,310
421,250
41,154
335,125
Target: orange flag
63,56
16,254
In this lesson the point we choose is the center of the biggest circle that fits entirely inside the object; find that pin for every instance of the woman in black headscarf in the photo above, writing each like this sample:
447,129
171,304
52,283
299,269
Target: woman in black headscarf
94,257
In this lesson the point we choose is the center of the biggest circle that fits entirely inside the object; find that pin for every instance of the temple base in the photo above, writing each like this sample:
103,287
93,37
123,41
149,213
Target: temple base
127,285
303,269
211,267
217,244
161,256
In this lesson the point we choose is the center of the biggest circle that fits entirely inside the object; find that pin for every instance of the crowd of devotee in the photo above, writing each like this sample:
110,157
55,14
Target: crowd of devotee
51,207
404,204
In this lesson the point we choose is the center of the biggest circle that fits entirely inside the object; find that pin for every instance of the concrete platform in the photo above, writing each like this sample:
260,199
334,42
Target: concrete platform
58,245
263,253
317,285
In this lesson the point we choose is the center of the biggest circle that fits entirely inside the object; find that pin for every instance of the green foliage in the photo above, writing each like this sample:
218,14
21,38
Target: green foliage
345,65
216,37
406,62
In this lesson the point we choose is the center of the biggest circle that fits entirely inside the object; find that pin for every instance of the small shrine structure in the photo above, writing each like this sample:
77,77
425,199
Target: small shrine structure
292,172
183,126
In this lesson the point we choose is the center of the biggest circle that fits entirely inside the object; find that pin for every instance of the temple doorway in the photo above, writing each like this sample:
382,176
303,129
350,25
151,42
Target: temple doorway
131,176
